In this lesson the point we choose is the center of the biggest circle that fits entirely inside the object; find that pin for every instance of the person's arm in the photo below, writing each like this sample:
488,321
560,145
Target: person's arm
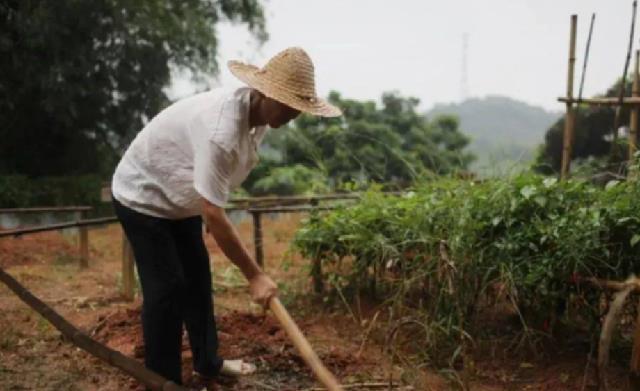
223,231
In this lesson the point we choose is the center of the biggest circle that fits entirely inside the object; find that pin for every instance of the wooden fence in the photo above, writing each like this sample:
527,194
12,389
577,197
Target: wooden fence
254,206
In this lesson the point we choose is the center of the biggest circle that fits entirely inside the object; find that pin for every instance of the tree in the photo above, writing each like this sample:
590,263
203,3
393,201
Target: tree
392,144
296,179
79,78
592,126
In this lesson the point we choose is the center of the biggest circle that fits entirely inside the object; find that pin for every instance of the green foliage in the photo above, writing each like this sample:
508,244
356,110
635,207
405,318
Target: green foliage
296,179
80,78
593,125
390,144
20,192
445,247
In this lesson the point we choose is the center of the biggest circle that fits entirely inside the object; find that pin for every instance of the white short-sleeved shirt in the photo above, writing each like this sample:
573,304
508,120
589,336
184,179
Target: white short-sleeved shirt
198,147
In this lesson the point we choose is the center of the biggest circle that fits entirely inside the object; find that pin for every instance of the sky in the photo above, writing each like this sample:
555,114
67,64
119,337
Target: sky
362,48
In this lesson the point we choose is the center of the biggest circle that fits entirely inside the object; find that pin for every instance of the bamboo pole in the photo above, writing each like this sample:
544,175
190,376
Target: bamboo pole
586,56
618,116
83,341
569,121
635,111
627,101
300,342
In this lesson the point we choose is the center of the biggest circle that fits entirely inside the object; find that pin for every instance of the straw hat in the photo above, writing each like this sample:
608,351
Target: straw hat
288,78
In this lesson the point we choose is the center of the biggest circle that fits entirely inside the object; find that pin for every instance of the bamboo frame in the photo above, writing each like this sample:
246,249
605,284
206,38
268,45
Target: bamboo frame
627,101
618,102
569,122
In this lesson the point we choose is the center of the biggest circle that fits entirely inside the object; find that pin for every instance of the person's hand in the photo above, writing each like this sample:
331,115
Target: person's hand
262,289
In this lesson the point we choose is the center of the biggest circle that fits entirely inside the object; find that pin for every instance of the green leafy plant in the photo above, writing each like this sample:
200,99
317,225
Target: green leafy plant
450,250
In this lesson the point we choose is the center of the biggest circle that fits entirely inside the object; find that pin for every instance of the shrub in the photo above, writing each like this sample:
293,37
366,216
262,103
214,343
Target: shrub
19,191
442,248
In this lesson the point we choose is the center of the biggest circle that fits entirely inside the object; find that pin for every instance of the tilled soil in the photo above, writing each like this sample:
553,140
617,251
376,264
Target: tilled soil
34,356
259,339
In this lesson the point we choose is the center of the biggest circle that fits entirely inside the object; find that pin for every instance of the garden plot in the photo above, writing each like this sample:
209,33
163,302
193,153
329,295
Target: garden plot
352,339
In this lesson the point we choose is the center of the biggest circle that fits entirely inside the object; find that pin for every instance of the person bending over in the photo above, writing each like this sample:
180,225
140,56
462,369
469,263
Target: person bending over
179,172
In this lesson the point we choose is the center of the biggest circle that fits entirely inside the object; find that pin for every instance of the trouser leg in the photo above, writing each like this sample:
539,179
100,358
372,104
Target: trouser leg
198,305
163,287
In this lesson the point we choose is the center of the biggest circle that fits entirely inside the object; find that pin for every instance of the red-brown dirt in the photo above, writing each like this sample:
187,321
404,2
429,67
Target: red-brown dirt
33,356
258,338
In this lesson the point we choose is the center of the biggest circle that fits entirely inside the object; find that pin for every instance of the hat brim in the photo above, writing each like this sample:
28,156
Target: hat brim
252,76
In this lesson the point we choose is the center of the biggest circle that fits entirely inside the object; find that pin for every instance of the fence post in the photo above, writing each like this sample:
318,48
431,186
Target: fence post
127,269
569,120
257,237
84,243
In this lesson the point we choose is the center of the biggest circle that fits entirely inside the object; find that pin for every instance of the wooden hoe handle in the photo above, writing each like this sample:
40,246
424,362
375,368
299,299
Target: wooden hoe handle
309,356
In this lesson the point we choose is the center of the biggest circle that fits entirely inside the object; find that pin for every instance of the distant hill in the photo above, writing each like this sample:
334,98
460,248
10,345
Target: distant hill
504,132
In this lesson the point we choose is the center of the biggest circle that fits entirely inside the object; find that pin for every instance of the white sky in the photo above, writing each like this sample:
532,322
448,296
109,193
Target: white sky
362,48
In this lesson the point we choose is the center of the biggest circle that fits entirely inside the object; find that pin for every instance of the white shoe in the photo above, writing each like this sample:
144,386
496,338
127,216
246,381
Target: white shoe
237,368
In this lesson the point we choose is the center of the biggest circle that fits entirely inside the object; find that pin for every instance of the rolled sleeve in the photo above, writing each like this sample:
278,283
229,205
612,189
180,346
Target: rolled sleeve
213,167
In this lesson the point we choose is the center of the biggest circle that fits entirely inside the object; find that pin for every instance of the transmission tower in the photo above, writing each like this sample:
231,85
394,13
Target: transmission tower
464,82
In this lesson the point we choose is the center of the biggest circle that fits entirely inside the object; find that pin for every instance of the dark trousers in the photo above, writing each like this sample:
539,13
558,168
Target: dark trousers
173,266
